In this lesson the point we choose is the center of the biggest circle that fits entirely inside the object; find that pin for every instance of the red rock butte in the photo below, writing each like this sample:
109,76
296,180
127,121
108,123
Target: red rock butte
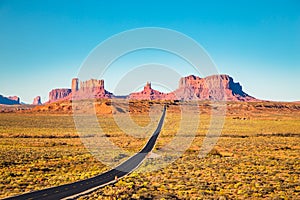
215,87
37,101
148,94
89,89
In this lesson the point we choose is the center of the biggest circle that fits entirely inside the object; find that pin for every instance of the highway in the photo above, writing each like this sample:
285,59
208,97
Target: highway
71,190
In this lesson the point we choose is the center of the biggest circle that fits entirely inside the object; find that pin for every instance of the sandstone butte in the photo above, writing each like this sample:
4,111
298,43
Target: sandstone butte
37,101
89,89
215,87
12,100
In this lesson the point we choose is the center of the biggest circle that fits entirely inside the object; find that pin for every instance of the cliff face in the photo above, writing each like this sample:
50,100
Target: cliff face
91,89
75,84
58,94
147,94
9,100
216,87
37,101
88,90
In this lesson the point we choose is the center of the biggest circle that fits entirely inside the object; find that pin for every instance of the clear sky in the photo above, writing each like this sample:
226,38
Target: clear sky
43,43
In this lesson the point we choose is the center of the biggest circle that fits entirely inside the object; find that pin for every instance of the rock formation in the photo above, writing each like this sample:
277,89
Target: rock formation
91,89
15,98
9,100
147,94
37,101
58,94
74,85
88,90
216,87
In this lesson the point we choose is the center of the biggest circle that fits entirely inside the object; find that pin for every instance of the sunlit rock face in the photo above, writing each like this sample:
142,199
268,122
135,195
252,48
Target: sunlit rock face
148,94
215,87
58,94
89,89
37,101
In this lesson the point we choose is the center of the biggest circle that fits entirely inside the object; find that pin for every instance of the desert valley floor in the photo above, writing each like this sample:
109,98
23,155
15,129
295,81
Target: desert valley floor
256,156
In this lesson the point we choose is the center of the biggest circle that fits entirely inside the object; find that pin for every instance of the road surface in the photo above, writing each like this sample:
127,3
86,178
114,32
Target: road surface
72,190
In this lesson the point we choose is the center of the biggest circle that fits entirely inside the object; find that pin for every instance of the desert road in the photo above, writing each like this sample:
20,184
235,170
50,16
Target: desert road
71,190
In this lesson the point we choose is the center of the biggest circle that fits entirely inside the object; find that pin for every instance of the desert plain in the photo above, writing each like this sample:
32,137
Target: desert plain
255,157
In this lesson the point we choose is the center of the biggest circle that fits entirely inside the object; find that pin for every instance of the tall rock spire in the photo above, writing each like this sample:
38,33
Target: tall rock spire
74,84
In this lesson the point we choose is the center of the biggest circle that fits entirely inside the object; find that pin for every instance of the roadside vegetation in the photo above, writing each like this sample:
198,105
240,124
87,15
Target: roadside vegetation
256,156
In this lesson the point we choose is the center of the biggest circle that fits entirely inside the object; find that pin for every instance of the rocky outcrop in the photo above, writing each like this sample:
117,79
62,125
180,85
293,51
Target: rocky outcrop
58,94
15,98
37,101
89,89
74,87
147,94
216,87
12,100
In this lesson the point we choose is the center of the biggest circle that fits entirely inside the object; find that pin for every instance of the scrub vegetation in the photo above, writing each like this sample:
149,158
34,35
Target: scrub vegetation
256,156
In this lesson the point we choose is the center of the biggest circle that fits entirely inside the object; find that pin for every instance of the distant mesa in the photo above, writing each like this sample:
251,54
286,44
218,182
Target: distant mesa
89,89
12,100
59,94
215,87
148,94
37,101
15,98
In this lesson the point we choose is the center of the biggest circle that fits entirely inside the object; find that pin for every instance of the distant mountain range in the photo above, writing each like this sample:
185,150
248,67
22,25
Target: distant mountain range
215,87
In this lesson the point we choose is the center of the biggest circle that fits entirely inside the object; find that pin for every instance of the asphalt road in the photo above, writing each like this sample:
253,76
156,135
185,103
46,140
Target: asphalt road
84,186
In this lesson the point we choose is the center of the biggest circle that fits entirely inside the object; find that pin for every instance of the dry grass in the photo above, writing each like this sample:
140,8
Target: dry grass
257,155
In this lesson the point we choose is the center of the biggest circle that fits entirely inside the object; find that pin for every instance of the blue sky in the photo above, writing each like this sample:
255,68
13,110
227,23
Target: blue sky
43,43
